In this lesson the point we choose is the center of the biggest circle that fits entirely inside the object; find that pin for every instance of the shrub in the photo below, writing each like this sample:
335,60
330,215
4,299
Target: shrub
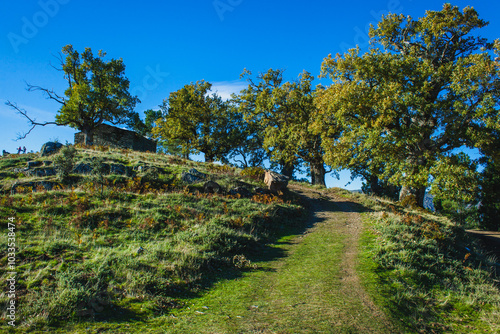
65,161
255,173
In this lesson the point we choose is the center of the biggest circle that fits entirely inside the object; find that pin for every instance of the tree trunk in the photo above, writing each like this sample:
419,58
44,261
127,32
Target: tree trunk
318,173
419,194
209,157
374,185
88,137
287,170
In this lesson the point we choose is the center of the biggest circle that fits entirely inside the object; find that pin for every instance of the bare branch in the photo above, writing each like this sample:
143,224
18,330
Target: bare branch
49,92
32,121
59,57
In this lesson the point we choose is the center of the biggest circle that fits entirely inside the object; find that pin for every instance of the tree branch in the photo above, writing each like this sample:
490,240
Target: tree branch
50,93
33,122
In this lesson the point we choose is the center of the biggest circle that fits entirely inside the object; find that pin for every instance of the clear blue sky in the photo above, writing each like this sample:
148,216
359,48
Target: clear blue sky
167,44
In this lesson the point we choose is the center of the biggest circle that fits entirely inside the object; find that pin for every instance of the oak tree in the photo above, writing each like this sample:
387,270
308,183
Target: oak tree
285,111
427,87
97,92
198,121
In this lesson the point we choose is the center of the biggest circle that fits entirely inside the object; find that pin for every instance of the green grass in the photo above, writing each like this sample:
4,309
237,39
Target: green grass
290,286
426,272
151,254
137,249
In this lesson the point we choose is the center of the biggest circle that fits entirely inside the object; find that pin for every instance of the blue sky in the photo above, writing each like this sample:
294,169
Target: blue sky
168,44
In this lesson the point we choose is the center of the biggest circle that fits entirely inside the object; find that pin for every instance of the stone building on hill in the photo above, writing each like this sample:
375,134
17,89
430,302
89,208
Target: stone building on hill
107,135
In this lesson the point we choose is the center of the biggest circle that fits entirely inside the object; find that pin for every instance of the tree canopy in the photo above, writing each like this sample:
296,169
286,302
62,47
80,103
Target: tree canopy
97,92
199,122
285,111
426,87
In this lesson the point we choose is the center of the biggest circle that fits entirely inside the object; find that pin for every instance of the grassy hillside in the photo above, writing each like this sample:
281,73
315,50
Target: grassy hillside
127,247
131,247
428,274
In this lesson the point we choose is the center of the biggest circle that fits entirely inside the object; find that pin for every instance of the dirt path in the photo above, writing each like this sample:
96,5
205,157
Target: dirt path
345,217
312,288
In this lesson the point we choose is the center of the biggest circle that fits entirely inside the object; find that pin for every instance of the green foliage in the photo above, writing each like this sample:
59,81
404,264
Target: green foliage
256,173
64,162
489,210
427,87
198,122
284,112
97,92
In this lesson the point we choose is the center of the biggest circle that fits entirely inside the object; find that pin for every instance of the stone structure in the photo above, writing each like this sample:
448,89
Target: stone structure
107,135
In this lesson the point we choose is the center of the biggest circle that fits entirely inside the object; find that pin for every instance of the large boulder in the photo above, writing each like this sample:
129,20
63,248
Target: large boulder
193,176
276,182
43,171
50,148
212,187
34,186
82,168
120,169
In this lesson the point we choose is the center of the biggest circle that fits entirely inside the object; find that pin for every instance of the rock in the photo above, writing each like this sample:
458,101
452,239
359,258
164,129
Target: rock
193,176
47,185
119,169
32,164
50,148
82,168
40,171
275,181
140,250
212,187
47,162
26,171
243,192
198,174
146,168
190,178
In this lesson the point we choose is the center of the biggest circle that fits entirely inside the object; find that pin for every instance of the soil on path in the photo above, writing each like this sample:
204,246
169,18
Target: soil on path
344,216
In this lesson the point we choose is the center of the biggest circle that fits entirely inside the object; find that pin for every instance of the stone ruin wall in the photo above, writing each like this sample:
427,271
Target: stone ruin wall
107,135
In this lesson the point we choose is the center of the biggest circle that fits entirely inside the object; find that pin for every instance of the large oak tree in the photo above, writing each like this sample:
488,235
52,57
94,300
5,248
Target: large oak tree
427,87
284,111
199,122
97,92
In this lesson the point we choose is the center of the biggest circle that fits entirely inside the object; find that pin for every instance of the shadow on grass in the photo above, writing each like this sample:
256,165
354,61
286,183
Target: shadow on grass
279,230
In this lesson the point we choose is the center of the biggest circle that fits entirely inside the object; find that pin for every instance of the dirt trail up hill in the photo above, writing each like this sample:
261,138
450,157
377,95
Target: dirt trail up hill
312,288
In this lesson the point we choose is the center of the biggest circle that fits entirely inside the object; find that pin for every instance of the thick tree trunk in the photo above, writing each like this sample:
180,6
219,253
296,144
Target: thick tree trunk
419,194
287,170
88,136
374,185
318,173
